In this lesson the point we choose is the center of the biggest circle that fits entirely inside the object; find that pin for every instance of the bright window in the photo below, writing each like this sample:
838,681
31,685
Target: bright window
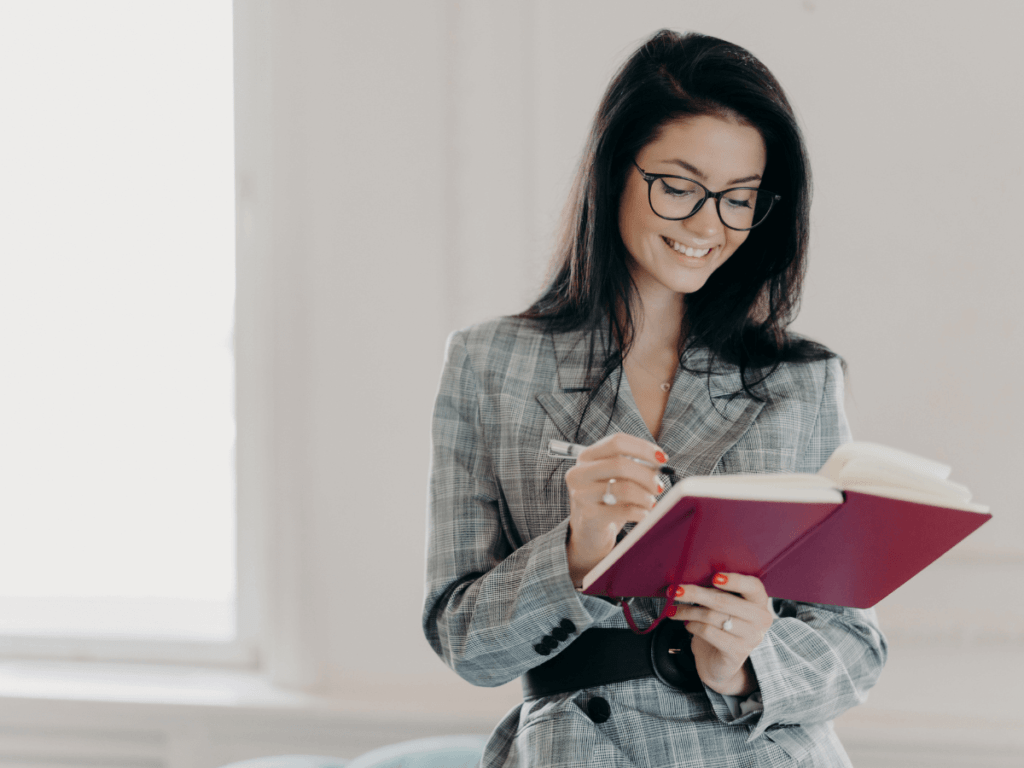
116,312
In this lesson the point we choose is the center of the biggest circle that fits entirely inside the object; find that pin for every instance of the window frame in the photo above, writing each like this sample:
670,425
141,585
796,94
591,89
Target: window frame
244,650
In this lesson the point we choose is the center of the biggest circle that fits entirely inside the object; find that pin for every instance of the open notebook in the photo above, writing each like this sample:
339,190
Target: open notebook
868,521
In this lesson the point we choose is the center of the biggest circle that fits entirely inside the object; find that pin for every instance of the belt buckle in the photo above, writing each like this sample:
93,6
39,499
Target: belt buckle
672,658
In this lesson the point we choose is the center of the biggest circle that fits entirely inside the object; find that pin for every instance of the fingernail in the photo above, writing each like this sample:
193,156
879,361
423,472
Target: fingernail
721,578
686,622
653,501
669,592
660,457
671,610
680,591
661,488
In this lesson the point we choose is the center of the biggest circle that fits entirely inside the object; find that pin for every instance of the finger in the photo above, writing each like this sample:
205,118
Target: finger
722,602
707,616
726,642
590,510
618,468
625,494
749,587
751,634
638,493
598,516
621,443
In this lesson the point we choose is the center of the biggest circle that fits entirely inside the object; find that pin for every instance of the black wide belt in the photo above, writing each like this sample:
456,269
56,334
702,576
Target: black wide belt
603,656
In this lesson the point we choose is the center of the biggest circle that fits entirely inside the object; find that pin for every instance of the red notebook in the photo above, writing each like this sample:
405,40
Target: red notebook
849,535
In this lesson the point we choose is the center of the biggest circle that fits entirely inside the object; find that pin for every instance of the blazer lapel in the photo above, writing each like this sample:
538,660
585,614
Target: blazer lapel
702,419
705,417
606,413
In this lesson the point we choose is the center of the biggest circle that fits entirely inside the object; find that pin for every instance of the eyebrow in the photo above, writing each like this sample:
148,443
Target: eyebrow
700,174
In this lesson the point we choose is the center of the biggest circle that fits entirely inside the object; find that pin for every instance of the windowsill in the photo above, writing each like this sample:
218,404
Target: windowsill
927,696
165,688
191,717
141,683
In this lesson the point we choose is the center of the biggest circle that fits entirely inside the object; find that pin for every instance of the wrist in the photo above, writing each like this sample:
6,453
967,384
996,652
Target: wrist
577,569
580,557
742,684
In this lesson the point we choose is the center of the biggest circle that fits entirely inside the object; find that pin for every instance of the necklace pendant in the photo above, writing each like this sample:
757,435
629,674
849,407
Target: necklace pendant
666,386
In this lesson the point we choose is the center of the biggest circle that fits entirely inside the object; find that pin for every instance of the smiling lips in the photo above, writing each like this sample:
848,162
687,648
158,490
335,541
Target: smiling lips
680,248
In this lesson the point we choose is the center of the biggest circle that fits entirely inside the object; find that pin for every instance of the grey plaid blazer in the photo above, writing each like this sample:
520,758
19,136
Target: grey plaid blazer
498,580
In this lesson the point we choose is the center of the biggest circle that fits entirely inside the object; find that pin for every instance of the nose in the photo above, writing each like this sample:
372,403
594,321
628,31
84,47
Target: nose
705,222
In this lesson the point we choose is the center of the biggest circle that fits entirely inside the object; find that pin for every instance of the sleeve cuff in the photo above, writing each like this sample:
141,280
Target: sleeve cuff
549,557
736,710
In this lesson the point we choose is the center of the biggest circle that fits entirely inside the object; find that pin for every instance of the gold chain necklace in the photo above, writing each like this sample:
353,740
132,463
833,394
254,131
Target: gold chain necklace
665,385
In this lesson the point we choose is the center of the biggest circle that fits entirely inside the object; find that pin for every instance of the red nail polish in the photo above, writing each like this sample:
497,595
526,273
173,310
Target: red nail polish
671,610
680,591
685,623
661,488
660,457
720,578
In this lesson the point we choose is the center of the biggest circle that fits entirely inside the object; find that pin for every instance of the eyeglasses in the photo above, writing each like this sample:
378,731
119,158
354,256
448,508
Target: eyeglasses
676,198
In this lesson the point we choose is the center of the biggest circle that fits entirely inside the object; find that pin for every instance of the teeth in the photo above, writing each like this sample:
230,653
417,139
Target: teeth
692,252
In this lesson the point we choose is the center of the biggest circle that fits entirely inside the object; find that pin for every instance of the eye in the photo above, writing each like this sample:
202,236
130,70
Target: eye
741,198
679,188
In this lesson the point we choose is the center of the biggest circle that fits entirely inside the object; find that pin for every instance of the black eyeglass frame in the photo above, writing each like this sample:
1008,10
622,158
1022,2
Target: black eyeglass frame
650,178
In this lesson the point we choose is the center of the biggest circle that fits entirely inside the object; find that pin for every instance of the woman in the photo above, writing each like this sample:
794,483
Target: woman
661,337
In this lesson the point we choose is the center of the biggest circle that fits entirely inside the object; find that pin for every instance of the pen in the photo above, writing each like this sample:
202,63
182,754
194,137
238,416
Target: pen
571,450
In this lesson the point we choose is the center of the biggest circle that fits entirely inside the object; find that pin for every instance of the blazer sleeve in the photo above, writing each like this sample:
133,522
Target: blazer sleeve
492,611
816,661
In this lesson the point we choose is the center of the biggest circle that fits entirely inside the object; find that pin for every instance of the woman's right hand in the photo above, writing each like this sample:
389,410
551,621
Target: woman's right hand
594,525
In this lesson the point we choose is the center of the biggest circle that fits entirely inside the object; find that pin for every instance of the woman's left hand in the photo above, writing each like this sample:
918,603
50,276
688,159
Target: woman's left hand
741,604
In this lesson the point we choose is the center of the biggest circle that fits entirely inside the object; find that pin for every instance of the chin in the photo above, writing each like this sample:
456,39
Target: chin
691,287
690,283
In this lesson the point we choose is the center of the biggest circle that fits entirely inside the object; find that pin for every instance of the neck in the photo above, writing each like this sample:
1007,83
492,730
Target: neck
658,326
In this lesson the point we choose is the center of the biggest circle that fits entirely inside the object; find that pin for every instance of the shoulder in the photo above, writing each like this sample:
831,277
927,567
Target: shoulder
502,348
805,370
808,397
802,375
806,380
500,334
800,420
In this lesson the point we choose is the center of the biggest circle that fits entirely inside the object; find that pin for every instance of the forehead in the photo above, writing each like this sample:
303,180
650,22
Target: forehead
721,148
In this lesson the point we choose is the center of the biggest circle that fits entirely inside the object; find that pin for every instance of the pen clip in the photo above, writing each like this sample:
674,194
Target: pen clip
560,449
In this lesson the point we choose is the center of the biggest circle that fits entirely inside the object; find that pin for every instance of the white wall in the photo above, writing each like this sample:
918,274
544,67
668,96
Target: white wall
364,133
912,113
364,236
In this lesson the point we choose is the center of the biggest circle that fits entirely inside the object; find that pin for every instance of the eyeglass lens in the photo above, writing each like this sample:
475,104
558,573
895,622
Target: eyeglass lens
741,208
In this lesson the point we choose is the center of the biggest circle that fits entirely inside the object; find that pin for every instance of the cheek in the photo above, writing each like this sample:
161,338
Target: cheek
634,213
734,240
631,221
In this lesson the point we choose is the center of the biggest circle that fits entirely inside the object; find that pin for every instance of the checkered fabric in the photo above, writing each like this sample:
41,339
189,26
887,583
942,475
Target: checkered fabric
498,581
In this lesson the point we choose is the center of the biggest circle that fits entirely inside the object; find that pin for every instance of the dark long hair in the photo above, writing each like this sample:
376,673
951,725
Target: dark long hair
743,310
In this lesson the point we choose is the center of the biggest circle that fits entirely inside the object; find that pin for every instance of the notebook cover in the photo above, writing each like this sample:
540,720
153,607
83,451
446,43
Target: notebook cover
868,548
852,554
702,536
